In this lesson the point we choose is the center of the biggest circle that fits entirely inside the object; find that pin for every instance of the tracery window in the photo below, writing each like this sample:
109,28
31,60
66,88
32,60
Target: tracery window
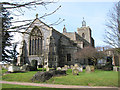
35,42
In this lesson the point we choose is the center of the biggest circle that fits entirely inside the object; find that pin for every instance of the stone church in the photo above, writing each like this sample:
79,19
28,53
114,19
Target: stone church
52,48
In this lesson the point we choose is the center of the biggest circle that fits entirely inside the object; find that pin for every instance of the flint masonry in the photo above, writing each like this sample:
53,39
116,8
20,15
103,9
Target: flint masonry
45,44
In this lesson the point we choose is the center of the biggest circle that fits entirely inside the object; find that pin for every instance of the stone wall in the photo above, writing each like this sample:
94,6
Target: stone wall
58,49
87,33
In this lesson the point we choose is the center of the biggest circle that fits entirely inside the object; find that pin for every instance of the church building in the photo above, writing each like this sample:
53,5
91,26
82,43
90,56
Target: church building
52,48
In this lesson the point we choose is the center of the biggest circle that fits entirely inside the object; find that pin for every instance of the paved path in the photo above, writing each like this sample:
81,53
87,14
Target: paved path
51,85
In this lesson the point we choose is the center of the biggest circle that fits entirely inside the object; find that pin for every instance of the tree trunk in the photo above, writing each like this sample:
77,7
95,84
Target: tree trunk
0,34
119,59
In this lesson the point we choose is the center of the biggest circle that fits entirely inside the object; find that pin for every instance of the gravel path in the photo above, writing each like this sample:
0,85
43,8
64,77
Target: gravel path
52,85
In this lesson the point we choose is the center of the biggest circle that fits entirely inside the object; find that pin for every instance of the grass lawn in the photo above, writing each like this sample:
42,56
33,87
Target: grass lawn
97,78
19,86
23,87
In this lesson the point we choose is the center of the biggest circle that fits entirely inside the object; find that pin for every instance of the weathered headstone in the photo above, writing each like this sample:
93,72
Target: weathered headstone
13,68
66,66
58,68
23,68
88,69
47,68
80,69
71,66
64,69
115,69
92,68
75,65
75,72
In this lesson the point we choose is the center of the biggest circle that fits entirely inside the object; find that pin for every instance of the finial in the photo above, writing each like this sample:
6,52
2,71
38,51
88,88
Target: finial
83,18
83,23
37,15
64,29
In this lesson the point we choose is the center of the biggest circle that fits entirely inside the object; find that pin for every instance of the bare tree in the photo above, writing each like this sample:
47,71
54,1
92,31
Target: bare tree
90,53
113,24
19,6
113,32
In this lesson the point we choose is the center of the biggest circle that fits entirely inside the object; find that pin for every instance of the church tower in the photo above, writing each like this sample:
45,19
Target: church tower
85,32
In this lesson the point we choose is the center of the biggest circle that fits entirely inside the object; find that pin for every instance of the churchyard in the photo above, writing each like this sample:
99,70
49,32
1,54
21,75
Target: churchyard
75,75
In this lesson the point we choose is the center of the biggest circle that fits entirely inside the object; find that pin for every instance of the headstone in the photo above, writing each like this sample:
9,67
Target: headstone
13,68
80,69
88,69
115,69
71,66
92,68
47,68
76,65
75,71
58,68
23,68
64,69
68,67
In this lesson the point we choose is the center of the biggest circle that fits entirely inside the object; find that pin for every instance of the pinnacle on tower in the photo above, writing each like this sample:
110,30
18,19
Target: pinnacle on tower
64,29
83,23
37,15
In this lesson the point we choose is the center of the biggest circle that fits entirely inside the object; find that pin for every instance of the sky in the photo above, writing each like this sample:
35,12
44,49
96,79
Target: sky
95,14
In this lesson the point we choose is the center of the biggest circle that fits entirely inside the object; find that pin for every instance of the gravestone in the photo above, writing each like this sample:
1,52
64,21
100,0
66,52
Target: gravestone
81,69
115,69
88,69
75,65
71,66
92,68
23,68
47,68
64,69
68,67
13,68
75,72
58,68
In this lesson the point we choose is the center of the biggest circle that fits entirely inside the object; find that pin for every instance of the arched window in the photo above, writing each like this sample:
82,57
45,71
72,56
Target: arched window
83,35
35,42
32,47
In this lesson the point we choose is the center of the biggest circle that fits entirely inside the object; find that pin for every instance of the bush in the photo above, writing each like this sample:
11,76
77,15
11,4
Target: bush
107,67
43,76
31,68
